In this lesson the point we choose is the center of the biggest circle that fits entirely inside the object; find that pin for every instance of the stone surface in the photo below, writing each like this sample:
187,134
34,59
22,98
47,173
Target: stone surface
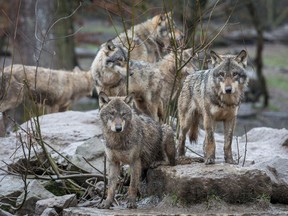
195,183
11,187
49,212
58,203
277,170
4,213
263,153
35,192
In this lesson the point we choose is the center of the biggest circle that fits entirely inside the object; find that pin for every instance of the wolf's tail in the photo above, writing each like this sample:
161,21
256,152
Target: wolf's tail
193,132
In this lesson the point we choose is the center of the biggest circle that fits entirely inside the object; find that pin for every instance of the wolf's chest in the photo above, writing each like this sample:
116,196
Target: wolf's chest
221,114
123,156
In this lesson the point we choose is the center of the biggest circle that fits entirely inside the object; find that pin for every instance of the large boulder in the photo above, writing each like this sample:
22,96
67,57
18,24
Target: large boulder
261,154
196,182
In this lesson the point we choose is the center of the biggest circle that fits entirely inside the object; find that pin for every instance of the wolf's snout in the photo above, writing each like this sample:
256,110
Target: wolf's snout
118,128
228,89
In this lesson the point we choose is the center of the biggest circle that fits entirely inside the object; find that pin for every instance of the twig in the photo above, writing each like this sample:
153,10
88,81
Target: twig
238,152
194,152
105,182
245,147
92,166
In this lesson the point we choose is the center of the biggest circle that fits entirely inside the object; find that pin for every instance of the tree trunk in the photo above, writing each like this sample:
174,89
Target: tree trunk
40,39
260,45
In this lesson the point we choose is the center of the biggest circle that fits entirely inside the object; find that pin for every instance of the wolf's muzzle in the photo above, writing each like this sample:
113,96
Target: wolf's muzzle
228,89
118,128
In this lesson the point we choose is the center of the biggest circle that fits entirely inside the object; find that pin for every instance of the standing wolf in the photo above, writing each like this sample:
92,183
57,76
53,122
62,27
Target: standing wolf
56,89
215,95
152,83
150,40
131,139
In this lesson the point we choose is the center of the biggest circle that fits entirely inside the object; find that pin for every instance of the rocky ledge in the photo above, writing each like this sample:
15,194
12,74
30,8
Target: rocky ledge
258,185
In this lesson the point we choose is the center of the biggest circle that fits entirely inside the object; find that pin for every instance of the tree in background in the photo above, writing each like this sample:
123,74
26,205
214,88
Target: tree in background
42,33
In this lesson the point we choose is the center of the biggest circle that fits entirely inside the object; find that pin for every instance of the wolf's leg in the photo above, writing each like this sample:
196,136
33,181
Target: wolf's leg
114,172
53,109
185,120
209,142
229,126
134,183
160,111
168,149
3,124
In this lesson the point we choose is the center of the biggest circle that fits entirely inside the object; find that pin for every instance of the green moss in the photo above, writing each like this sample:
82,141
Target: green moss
55,188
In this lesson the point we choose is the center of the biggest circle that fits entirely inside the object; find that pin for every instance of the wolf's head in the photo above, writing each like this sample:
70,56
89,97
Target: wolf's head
109,63
116,112
229,72
165,29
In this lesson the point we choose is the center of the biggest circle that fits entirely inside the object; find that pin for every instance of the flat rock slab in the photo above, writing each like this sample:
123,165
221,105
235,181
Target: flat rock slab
81,211
196,183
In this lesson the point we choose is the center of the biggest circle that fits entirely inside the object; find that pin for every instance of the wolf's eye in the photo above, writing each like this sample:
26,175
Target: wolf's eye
221,74
109,63
235,74
111,113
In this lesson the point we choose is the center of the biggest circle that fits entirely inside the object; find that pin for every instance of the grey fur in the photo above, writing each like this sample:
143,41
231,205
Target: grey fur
132,139
213,95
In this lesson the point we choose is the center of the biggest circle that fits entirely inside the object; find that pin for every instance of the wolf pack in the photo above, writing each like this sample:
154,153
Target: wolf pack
138,75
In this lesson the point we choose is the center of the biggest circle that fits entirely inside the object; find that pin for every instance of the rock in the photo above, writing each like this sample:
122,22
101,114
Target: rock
276,169
10,188
4,213
35,192
78,134
92,150
58,203
194,183
62,129
49,212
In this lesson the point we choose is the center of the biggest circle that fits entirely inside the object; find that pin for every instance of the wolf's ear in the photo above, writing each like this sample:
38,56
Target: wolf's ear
110,46
129,99
242,58
165,15
162,17
215,58
103,99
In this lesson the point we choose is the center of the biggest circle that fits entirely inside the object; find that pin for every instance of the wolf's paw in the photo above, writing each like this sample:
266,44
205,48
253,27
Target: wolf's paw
230,161
104,205
155,164
210,160
131,205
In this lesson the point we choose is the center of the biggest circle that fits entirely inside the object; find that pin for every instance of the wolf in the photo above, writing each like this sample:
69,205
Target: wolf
56,89
152,83
150,41
132,139
214,95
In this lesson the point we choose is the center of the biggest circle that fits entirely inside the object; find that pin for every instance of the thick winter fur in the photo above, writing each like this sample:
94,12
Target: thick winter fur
56,89
152,38
152,83
150,41
214,95
132,139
